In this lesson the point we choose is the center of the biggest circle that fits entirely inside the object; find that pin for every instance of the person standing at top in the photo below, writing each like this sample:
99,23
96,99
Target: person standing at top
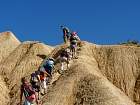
66,33
74,38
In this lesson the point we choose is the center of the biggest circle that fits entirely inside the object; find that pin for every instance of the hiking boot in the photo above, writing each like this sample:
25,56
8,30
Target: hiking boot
42,94
75,57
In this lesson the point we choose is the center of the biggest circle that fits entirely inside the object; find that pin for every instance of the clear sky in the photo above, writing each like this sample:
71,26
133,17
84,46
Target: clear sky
97,21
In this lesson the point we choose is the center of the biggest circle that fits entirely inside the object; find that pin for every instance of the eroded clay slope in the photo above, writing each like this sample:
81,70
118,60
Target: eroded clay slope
102,75
25,59
121,66
8,42
85,84
4,96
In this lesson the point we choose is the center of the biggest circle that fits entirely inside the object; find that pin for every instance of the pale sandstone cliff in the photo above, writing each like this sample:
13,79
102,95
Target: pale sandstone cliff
102,75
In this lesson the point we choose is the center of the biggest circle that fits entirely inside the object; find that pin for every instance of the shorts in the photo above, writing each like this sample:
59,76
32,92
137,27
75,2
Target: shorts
73,46
44,84
63,59
74,42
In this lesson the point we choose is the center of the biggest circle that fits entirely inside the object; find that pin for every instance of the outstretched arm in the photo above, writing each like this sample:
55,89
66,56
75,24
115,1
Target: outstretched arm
47,74
78,38
65,33
37,102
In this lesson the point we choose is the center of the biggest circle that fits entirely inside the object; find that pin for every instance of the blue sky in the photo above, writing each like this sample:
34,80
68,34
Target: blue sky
97,21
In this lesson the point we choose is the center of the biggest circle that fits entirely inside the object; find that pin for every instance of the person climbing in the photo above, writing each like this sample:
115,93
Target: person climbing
73,43
35,81
29,93
66,33
43,84
49,66
64,57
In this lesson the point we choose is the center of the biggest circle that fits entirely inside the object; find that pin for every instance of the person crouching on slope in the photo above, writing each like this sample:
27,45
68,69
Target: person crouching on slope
29,93
49,66
66,33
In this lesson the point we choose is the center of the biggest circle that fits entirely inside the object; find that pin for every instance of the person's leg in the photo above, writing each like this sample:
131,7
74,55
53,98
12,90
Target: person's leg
41,88
37,91
65,39
67,36
27,103
62,66
47,80
44,86
67,60
73,52
75,47
61,63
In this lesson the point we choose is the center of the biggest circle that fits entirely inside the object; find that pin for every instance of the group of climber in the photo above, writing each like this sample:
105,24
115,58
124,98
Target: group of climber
40,78
38,83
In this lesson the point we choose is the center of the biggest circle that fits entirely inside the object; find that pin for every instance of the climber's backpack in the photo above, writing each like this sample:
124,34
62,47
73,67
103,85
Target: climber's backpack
49,65
34,78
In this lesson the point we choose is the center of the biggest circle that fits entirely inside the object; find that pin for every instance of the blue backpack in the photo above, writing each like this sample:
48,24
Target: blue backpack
49,65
